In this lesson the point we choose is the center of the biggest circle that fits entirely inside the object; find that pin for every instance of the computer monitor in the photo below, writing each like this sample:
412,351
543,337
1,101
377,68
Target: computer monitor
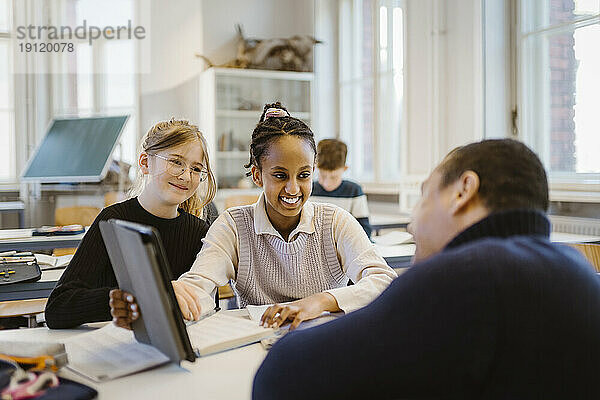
141,268
75,150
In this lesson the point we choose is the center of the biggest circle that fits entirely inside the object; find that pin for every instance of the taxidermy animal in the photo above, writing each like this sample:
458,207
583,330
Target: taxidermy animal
290,54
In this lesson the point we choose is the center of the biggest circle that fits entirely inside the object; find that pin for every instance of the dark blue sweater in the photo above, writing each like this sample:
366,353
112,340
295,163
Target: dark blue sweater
349,196
501,313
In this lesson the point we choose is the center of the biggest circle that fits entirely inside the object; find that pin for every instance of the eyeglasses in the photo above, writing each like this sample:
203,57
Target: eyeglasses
176,167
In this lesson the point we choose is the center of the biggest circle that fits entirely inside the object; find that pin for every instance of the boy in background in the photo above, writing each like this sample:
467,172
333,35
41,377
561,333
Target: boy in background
331,188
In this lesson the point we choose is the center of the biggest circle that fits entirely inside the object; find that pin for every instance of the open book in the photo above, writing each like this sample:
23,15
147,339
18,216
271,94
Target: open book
112,352
50,262
221,332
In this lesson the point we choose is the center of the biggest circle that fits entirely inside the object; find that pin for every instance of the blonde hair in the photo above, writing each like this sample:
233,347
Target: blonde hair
172,133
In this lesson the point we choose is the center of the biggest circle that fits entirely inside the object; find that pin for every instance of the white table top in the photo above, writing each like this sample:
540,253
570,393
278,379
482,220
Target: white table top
561,237
11,235
227,375
22,239
386,219
11,205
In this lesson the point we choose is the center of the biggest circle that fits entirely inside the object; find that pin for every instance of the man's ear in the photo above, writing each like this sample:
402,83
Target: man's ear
466,191
143,163
256,175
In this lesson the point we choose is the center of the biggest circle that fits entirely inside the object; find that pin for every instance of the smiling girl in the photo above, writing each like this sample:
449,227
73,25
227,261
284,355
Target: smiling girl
283,248
173,167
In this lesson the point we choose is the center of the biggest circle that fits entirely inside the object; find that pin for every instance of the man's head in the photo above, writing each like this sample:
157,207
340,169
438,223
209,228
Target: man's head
331,163
472,182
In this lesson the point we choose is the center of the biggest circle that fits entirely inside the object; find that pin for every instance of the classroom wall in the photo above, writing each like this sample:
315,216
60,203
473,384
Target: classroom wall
498,102
206,27
170,89
443,85
259,18
326,93
443,79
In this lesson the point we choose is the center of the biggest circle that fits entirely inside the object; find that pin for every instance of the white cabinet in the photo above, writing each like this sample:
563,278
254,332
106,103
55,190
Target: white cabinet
231,102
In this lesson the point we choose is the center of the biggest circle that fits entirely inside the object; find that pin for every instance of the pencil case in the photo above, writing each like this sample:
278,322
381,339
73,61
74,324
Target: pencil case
19,272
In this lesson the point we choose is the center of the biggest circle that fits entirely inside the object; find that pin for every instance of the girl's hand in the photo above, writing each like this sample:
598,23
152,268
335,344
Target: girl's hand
299,310
189,304
123,308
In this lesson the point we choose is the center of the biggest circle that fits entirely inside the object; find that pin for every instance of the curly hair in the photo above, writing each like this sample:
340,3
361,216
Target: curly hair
271,128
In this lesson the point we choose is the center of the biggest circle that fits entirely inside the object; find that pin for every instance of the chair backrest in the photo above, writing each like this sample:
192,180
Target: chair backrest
83,215
591,252
240,200
111,198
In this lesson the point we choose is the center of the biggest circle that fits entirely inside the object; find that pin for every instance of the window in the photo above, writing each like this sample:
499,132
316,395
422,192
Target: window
7,148
371,87
99,78
559,85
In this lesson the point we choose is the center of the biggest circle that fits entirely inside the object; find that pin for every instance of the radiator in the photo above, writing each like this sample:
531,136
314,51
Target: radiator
580,226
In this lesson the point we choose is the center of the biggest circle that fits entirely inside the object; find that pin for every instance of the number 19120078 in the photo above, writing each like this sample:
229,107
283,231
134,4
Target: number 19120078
46,47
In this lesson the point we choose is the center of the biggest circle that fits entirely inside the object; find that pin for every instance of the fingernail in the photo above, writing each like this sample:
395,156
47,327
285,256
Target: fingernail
129,298
133,307
134,315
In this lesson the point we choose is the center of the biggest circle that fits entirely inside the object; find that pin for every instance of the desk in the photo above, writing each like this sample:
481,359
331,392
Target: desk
22,239
227,375
561,237
398,256
14,206
388,221
32,290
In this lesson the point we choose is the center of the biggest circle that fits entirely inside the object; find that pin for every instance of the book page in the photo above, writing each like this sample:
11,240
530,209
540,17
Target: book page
256,313
223,332
47,262
110,352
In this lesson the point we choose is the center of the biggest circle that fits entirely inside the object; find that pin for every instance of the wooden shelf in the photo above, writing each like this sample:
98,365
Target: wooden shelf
265,74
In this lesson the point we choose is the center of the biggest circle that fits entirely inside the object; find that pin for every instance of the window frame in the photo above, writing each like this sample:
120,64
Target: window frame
564,186
7,37
98,101
350,54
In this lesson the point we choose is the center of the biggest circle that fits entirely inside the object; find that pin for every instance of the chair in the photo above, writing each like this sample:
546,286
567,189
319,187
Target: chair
82,215
28,309
240,200
591,252
111,198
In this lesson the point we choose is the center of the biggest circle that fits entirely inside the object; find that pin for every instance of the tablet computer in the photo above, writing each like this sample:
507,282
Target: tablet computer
141,267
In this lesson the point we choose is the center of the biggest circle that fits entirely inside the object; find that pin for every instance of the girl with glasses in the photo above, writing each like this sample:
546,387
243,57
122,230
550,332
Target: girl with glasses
173,187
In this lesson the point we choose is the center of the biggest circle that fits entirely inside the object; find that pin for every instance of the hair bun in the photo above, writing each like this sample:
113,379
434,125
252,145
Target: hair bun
275,113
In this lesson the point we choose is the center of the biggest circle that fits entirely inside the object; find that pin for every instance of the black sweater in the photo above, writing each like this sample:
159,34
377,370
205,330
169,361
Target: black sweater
82,293
501,313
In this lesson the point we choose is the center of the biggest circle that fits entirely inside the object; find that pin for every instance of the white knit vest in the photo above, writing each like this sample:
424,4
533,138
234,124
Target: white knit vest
271,270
